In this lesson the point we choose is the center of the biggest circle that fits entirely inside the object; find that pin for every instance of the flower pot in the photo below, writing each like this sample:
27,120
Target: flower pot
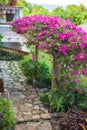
9,17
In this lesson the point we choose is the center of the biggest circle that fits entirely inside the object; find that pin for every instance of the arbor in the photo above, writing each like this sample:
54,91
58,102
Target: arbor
62,39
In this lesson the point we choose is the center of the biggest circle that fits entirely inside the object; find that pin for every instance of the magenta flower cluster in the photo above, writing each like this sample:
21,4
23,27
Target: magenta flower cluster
58,36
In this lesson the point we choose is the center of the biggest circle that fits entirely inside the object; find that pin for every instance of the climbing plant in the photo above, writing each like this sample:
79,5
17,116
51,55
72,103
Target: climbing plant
62,39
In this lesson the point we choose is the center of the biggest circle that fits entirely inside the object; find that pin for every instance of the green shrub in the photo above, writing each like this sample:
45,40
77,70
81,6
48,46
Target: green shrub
45,99
1,37
66,97
43,71
84,80
56,102
7,114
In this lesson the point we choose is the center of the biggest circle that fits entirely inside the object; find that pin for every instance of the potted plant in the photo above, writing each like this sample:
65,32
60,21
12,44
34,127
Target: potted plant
11,12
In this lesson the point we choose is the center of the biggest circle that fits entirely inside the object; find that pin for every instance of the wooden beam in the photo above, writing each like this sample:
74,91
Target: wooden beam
14,51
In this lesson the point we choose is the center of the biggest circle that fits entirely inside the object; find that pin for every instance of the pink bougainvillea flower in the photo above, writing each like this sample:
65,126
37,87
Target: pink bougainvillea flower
82,45
74,72
78,80
70,64
73,46
33,58
84,71
63,49
77,88
81,56
60,38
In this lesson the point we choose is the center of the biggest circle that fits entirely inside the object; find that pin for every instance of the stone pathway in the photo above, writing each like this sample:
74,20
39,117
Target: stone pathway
31,113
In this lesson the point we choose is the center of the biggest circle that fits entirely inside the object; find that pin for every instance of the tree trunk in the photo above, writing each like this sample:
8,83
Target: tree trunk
35,65
55,81
54,73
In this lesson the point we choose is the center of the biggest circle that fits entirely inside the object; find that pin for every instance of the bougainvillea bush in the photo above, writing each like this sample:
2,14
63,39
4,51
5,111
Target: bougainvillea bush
62,39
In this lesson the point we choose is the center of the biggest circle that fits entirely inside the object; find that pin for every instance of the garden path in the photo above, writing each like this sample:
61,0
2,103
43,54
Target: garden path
31,114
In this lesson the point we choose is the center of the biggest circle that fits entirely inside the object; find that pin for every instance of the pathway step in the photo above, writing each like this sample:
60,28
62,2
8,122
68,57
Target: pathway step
25,98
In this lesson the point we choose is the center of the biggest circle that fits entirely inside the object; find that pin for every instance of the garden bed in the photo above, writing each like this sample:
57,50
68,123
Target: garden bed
72,120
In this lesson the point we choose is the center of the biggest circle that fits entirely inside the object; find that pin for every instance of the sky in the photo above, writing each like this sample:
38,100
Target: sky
58,2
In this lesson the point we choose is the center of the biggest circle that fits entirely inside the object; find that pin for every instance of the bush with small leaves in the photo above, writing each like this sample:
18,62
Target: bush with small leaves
7,114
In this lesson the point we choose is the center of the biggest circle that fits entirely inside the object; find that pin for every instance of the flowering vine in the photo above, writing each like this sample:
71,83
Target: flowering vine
66,42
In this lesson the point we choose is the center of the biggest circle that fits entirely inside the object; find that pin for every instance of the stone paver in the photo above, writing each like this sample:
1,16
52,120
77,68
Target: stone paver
24,97
34,126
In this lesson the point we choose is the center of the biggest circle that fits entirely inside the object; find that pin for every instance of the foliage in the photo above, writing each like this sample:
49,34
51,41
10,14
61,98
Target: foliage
84,80
68,96
43,71
74,120
30,9
59,41
57,102
1,37
1,40
7,114
27,7
39,10
67,44
77,14
8,56
45,99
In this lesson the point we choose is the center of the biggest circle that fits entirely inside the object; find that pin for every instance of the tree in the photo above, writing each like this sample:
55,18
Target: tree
60,38
59,11
27,7
76,14
39,10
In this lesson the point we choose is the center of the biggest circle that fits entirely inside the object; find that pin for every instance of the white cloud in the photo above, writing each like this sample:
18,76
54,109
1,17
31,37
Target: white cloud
58,2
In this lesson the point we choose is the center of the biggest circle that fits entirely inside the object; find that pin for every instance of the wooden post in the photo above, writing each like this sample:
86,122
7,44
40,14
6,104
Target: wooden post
35,65
54,80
